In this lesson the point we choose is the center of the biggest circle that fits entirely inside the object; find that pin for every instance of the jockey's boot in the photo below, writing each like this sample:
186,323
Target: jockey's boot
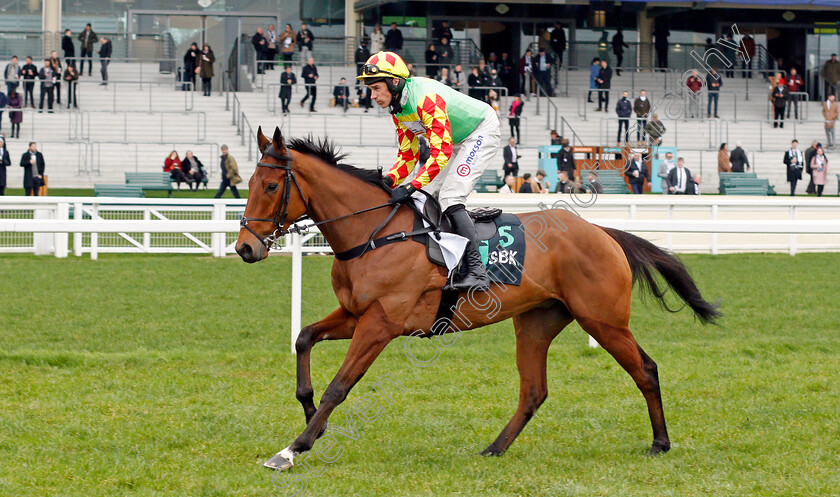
462,224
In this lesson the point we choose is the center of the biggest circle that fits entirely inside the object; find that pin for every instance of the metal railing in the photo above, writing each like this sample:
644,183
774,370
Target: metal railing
142,159
80,127
608,131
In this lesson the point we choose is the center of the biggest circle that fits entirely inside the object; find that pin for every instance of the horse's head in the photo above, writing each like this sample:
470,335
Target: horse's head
275,199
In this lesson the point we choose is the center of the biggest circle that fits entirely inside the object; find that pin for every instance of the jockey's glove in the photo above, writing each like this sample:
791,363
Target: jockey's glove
402,193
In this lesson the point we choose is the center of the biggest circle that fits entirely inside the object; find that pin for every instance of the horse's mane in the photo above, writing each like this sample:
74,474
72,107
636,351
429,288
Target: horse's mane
328,152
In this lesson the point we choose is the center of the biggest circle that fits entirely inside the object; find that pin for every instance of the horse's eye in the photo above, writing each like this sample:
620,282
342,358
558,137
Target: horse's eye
272,187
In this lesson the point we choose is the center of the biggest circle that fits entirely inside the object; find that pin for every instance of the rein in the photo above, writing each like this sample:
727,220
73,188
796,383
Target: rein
282,213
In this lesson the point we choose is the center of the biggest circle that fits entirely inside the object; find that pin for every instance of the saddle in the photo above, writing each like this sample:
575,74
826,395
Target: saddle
484,219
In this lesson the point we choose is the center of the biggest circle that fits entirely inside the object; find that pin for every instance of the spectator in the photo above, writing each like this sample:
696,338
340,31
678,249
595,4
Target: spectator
795,162
506,71
513,118
747,52
542,186
558,43
362,55
56,66
819,166
526,67
493,95
205,69
794,84
660,43
71,76
310,77
363,91
542,70
641,106
511,156
32,162
493,62
5,162
594,70
341,93
260,49
623,108
431,61
564,184
739,160
809,154
555,138
780,97
483,69
48,78
694,84
679,178
693,187
288,39
510,181
713,83
443,77
444,32
445,56
595,185
655,129
191,63
29,73
394,39
475,81
172,165
105,59
88,39
618,47
411,72
377,39
4,101
709,45
566,160
287,79
665,168
15,116
12,75
830,112
193,169
230,174
528,185
730,53
458,78
271,39
604,79
724,164
304,41
68,48
637,172
831,74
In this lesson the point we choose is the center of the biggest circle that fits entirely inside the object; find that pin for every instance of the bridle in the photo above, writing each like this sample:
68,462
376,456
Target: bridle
283,210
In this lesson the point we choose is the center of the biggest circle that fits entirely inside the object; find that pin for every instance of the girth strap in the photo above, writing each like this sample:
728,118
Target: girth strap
360,250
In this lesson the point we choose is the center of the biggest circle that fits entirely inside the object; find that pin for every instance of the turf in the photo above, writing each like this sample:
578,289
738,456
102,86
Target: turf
172,376
89,192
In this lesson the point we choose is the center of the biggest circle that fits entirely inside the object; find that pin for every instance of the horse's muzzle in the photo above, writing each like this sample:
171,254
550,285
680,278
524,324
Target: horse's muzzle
249,254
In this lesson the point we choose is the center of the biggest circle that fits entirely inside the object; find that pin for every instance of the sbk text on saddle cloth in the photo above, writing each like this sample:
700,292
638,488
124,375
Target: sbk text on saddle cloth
504,253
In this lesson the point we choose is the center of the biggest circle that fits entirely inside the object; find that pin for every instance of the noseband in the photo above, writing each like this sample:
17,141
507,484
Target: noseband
282,211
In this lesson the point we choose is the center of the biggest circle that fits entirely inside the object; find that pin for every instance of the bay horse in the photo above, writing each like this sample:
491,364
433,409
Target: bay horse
581,272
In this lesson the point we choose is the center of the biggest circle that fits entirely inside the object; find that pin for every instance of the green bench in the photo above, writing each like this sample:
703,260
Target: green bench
747,190
838,184
611,180
150,181
488,182
744,184
128,191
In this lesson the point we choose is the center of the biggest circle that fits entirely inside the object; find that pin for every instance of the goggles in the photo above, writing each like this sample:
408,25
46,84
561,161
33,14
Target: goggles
374,70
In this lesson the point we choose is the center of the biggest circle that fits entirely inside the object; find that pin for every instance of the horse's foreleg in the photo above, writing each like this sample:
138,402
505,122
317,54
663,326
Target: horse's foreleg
339,325
535,330
373,332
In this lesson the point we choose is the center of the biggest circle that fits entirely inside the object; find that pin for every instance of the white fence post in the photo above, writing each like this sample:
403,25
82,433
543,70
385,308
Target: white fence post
77,237
297,279
62,212
218,240
43,242
94,237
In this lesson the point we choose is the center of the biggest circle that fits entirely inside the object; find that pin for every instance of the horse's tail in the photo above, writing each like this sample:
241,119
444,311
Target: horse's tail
644,256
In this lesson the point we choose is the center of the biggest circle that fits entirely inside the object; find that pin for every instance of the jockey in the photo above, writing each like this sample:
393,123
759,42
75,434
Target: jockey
447,126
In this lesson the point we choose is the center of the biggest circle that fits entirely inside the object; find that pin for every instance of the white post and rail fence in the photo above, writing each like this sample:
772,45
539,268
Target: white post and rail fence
698,224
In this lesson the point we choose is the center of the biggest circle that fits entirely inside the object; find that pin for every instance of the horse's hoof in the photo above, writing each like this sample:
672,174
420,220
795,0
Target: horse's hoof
281,461
490,451
659,448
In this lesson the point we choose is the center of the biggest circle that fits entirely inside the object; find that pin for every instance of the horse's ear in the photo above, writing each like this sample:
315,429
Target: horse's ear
277,139
262,141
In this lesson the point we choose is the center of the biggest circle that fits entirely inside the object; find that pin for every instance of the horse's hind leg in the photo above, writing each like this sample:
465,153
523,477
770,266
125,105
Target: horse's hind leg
339,325
535,330
619,342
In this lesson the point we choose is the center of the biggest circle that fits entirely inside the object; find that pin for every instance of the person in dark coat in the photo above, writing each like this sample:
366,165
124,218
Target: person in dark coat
105,58
566,160
361,56
809,153
48,78
88,39
5,162
29,73
191,60
558,43
623,108
637,172
739,160
310,77
287,79
679,179
795,162
193,169
261,49
511,156
394,39
304,42
341,93
780,97
604,82
71,76
68,48
431,62
32,162
205,68
618,47
56,65
15,116
660,43
4,101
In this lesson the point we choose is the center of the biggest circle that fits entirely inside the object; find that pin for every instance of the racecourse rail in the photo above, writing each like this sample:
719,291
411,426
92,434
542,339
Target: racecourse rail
707,224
